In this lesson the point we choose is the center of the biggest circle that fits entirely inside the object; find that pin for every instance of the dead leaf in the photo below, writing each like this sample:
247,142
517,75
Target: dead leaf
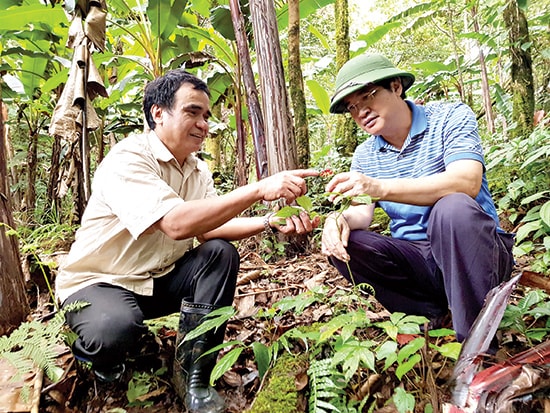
317,280
246,306
249,276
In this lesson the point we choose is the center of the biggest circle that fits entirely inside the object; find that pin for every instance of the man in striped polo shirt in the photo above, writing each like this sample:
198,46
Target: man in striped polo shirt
424,167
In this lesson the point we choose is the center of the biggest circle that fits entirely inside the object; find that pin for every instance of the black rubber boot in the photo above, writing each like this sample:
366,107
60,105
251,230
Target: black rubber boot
191,371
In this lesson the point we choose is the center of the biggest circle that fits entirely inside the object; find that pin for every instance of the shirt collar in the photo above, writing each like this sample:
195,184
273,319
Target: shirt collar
418,126
419,121
162,153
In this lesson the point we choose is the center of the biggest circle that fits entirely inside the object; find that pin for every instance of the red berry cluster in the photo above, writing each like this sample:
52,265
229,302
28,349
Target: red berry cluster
326,173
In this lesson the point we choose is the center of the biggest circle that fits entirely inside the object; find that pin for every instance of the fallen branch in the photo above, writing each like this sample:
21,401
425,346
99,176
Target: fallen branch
535,280
288,287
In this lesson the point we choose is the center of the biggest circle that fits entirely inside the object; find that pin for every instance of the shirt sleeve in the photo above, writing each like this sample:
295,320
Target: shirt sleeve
131,187
460,135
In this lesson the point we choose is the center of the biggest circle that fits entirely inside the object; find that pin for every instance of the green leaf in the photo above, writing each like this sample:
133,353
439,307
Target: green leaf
296,303
409,328
225,364
541,152
534,197
220,17
164,16
19,18
218,84
545,213
350,366
262,355
33,72
431,67
6,4
390,329
320,94
320,36
137,388
523,249
396,317
55,80
307,7
212,321
522,4
526,229
288,211
362,199
378,33
441,332
532,298
407,366
404,402
305,202
450,350
411,348
347,331
387,349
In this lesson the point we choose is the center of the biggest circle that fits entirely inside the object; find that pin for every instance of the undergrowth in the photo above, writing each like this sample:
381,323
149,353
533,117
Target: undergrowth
342,348
34,345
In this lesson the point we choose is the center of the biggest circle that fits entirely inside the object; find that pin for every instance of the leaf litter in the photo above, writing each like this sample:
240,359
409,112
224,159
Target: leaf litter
260,286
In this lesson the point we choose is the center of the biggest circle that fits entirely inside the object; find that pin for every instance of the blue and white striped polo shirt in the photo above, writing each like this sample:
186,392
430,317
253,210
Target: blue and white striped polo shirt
440,133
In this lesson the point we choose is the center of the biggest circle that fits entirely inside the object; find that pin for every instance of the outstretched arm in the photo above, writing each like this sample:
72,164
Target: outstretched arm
464,175
239,228
197,217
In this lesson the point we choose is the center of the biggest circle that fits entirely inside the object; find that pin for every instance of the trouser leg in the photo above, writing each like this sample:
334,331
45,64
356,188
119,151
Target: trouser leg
472,256
204,279
402,273
113,322
206,274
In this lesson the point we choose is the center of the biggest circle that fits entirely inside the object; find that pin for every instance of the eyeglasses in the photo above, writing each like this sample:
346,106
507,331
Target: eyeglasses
365,99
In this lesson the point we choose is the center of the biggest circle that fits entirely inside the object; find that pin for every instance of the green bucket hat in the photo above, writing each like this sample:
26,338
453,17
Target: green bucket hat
363,70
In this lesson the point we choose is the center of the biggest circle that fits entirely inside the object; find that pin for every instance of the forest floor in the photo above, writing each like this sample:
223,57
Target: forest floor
146,385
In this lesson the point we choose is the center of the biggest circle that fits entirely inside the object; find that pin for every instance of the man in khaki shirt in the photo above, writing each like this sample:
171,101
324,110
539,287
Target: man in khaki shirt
134,257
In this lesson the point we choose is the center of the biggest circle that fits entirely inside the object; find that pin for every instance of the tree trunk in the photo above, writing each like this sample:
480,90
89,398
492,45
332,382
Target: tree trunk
12,171
241,166
252,101
484,80
296,84
523,91
212,144
460,78
346,138
281,145
84,175
53,202
14,308
32,165
80,194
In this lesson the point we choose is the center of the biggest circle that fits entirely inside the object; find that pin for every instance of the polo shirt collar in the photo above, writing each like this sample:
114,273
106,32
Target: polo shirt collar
418,126
161,152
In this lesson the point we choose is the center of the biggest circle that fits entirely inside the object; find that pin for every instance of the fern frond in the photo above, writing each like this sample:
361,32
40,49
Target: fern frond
21,364
325,393
34,343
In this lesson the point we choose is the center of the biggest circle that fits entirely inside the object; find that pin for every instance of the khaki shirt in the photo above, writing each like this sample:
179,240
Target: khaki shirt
137,183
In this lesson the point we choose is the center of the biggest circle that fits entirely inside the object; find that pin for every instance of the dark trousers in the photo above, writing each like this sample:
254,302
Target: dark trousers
113,322
463,258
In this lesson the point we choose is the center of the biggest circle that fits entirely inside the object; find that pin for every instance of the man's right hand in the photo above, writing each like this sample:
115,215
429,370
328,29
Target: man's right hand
287,184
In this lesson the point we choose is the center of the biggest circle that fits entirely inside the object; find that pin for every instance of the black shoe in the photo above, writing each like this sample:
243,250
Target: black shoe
110,375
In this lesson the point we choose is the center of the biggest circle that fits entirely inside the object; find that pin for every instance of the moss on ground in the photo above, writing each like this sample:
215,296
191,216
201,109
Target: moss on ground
279,394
